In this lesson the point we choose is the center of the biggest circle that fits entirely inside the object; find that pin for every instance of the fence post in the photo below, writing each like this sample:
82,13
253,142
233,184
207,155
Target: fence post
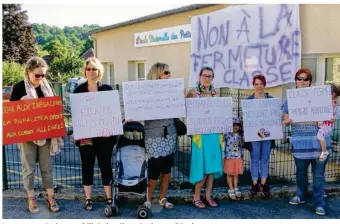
4,169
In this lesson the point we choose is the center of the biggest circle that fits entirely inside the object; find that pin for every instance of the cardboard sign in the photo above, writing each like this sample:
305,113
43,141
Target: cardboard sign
31,120
96,114
154,99
262,119
241,41
310,104
209,115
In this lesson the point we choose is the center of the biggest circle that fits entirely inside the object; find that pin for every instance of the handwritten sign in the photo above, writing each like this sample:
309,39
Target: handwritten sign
262,119
31,120
96,114
239,42
154,99
310,104
209,115
170,35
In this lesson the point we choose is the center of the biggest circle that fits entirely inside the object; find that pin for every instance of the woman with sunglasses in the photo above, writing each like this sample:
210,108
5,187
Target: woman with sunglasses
206,154
100,147
306,150
35,86
161,145
260,152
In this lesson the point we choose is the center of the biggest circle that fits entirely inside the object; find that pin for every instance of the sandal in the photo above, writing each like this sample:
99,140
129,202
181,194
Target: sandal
164,203
238,193
33,205
52,206
198,204
109,201
211,202
231,194
88,205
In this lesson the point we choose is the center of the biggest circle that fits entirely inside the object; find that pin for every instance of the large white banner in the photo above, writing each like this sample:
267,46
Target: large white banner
209,115
262,119
154,99
239,42
96,114
310,104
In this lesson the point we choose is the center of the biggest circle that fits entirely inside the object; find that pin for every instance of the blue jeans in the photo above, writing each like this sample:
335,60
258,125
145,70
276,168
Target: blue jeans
259,155
318,170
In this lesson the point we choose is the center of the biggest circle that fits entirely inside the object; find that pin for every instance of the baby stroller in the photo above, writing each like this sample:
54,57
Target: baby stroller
131,169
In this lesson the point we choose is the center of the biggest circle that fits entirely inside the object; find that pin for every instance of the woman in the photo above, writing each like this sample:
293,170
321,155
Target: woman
100,147
206,155
35,86
260,151
306,150
161,144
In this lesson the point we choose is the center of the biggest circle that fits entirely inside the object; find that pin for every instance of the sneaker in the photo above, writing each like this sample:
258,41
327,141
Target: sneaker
33,205
320,211
254,189
231,194
53,205
323,156
88,205
296,201
265,190
238,193
147,204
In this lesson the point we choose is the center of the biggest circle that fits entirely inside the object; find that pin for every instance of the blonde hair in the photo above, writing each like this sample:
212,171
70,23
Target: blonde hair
94,61
157,70
33,63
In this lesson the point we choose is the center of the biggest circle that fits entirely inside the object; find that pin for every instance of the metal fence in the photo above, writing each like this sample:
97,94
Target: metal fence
67,164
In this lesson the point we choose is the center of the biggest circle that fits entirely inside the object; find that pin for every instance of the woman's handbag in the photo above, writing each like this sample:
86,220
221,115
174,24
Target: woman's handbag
181,128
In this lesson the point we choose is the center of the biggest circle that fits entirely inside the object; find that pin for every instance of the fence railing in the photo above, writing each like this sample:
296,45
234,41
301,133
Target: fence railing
67,164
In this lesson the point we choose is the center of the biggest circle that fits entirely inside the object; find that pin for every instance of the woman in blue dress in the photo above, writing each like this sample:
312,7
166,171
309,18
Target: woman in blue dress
206,155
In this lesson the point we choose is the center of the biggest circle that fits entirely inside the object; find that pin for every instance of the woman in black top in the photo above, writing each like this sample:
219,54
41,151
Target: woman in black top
100,147
35,86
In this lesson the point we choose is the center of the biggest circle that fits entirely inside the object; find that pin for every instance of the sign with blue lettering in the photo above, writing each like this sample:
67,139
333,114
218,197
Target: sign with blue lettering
239,42
310,104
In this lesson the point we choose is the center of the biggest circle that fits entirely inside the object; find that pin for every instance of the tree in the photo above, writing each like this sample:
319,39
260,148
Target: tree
12,73
17,33
88,44
63,68
55,48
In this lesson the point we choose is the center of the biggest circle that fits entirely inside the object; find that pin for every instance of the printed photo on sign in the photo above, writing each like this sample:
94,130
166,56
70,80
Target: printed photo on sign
154,99
96,114
262,119
239,42
310,104
31,120
209,115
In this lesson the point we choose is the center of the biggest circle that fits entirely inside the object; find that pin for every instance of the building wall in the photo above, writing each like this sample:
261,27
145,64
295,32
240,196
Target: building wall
320,34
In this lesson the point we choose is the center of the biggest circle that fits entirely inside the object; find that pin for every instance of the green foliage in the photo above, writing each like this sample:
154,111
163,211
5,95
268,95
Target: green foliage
12,73
55,48
64,67
75,39
18,39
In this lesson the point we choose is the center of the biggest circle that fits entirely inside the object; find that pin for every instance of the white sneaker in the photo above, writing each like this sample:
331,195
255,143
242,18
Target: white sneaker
147,204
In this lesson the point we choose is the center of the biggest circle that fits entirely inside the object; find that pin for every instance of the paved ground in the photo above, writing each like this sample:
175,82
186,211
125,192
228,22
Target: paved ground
246,209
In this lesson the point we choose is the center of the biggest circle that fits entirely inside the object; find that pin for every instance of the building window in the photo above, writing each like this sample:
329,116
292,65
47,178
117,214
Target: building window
332,70
311,64
112,75
141,71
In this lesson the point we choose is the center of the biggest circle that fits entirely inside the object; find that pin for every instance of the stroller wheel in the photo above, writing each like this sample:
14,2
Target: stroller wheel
142,212
108,211
115,210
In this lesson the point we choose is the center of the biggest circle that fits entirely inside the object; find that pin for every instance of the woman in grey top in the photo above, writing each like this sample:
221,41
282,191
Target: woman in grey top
160,144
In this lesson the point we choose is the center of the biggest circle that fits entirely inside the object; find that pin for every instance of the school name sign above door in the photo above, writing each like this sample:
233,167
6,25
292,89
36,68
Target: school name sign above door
171,35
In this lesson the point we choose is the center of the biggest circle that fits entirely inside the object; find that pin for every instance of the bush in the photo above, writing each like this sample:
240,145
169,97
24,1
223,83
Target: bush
12,73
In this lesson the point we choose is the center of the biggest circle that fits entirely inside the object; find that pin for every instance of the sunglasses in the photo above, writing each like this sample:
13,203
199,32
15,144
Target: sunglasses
166,72
302,79
37,76
207,76
236,124
92,69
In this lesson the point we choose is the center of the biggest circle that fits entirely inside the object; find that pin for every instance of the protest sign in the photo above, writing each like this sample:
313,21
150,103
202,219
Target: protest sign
96,114
209,115
239,42
154,99
31,120
310,104
262,119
